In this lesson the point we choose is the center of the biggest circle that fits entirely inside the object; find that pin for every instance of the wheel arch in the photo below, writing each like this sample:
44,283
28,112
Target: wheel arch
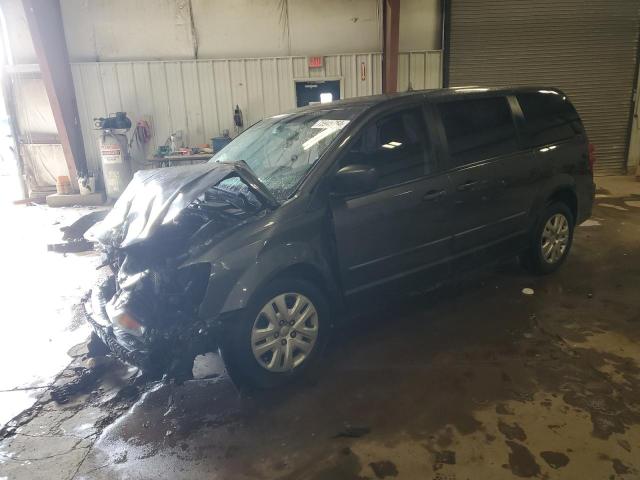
295,261
567,195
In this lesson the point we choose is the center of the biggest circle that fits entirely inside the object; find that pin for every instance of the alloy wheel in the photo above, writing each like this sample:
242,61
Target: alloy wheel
555,238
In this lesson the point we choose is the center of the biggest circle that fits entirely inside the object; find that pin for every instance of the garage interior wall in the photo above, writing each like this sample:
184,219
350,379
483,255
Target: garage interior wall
194,60
197,97
587,49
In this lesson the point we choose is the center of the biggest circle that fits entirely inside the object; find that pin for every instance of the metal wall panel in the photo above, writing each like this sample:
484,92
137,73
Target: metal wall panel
198,96
588,49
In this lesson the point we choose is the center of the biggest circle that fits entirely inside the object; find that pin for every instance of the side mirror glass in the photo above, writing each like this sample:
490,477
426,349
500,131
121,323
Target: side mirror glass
354,179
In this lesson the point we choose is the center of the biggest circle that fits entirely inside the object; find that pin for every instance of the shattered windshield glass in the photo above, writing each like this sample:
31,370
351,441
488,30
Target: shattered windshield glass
281,149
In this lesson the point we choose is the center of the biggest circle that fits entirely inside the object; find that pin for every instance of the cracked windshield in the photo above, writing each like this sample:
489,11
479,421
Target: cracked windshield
280,150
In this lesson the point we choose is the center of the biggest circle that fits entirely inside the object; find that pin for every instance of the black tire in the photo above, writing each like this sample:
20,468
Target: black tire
235,344
533,258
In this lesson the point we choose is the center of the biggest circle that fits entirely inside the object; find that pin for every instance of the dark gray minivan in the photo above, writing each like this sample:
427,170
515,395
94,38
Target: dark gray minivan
307,213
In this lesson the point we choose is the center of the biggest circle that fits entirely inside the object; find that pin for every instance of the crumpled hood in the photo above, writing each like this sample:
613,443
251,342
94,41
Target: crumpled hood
156,197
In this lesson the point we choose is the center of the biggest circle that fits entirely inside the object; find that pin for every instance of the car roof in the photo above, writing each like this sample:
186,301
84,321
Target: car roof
433,94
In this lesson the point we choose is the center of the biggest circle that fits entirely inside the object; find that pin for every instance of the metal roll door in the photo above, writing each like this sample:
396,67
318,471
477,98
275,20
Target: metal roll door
586,48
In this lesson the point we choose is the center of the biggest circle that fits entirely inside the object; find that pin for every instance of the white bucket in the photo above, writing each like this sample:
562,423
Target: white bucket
87,185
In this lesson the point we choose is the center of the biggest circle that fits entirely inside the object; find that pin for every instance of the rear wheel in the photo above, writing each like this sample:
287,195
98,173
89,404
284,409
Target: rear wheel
551,240
278,336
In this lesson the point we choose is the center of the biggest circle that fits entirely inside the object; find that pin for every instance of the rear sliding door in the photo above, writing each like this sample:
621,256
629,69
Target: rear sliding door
479,136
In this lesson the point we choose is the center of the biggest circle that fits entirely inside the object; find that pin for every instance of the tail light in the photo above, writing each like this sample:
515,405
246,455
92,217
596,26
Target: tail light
592,156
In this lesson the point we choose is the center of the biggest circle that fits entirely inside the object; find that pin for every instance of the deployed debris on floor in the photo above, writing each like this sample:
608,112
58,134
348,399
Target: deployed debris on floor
73,235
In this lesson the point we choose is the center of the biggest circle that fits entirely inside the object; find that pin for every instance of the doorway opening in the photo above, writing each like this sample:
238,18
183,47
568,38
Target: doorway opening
309,92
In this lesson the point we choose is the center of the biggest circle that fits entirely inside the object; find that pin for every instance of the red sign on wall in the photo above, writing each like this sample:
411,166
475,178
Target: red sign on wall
315,62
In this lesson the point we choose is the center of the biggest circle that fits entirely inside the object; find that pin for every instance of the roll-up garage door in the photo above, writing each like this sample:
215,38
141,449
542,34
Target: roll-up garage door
586,48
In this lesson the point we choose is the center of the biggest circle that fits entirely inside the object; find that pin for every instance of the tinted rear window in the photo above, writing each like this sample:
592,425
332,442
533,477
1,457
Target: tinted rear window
477,129
549,117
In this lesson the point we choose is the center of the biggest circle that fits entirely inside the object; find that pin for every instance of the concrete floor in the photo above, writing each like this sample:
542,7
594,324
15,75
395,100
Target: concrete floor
39,290
475,381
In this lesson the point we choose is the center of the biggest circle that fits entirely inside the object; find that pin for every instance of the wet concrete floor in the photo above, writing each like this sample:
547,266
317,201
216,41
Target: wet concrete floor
474,381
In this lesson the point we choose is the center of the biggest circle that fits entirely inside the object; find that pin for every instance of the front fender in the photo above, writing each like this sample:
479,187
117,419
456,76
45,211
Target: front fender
271,261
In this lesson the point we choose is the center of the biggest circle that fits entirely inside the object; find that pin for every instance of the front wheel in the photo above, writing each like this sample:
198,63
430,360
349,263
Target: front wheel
278,336
550,240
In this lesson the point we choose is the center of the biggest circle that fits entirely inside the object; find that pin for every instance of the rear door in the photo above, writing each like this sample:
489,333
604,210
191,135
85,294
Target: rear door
390,237
479,135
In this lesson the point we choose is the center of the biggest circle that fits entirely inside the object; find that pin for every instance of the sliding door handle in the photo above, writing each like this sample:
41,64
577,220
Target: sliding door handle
433,195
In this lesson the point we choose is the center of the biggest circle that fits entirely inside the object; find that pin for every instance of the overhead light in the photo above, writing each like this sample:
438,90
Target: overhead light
388,145
395,144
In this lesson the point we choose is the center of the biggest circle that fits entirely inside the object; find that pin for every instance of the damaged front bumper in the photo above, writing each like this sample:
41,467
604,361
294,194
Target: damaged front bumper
95,313
159,351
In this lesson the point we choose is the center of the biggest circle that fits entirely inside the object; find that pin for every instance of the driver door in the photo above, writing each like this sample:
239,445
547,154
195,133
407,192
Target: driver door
396,236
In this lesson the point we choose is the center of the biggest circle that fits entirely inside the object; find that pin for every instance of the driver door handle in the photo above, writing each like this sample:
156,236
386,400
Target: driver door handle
468,185
433,195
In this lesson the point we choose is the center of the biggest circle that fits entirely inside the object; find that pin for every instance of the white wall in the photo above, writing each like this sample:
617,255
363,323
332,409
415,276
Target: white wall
420,25
198,96
113,30
18,32
100,30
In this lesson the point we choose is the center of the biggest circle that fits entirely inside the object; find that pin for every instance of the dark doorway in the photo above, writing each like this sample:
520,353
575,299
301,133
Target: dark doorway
310,92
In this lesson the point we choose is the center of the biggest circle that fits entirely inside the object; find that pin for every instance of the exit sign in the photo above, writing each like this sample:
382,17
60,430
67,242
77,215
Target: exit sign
315,62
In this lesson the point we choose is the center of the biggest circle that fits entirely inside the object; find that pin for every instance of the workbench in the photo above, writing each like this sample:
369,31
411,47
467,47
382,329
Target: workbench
173,160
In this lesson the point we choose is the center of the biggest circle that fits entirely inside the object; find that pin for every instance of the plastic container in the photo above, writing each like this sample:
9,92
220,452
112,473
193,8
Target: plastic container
218,143
63,185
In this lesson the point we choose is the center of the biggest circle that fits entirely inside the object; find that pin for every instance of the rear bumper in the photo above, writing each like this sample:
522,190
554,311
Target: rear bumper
586,197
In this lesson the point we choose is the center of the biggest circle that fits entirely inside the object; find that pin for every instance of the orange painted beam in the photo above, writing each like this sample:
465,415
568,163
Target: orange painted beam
47,32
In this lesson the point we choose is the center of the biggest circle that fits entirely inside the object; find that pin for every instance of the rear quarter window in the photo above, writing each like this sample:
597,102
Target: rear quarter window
477,129
549,117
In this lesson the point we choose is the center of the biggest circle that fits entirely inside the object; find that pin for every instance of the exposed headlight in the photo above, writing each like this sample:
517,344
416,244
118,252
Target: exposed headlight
124,320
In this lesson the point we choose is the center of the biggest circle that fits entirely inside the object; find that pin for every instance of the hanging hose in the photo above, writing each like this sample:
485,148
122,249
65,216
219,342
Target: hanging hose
141,134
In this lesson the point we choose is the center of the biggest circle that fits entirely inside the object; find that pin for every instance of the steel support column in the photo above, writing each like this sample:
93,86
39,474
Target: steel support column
391,34
47,32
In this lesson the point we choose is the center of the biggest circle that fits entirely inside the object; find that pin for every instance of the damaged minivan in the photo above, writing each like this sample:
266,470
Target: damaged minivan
311,213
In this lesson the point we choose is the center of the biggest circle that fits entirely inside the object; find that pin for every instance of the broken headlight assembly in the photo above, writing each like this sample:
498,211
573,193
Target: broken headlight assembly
157,296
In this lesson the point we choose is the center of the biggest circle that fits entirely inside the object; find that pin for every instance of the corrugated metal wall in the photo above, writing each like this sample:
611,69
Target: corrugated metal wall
198,96
588,49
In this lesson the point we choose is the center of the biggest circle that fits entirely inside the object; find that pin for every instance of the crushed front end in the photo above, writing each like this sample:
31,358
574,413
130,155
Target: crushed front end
149,318
146,309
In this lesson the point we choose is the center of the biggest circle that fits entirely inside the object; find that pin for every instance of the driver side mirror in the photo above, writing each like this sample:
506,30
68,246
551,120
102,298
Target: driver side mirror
354,179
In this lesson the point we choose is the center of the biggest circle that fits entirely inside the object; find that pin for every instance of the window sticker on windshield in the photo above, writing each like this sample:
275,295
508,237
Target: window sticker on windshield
332,124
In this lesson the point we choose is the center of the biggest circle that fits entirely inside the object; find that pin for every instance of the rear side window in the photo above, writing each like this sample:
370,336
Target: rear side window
396,145
549,117
478,129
